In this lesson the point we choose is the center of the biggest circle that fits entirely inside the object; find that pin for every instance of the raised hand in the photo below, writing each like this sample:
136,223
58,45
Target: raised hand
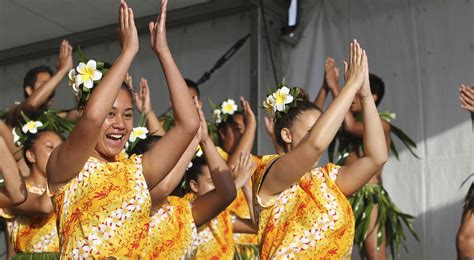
64,63
203,131
244,169
142,97
466,96
158,40
127,29
269,126
249,116
331,73
356,70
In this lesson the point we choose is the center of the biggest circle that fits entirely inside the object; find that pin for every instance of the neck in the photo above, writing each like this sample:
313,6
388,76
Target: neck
101,157
37,178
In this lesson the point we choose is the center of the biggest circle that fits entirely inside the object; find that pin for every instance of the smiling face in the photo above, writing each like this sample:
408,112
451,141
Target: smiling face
116,127
41,149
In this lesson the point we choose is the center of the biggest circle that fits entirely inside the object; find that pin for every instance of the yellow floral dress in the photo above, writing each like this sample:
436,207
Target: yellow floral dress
172,230
30,234
240,208
312,219
105,210
214,239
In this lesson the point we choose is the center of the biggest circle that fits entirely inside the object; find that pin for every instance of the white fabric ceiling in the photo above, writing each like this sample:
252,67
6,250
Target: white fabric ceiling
45,19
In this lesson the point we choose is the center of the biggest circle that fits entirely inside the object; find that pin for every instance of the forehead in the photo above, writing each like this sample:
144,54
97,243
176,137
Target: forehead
307,118
205,173
238,119
49,137
192,92
123,100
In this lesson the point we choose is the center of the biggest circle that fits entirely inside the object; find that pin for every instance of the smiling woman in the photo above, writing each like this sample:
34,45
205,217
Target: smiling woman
101,195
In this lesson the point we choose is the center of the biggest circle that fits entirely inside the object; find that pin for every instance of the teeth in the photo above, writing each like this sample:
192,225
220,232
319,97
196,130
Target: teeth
116,136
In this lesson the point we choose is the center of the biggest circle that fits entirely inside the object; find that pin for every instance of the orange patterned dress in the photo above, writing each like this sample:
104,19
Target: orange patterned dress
105,210
214,239
240,208
29,234
312,219
172,230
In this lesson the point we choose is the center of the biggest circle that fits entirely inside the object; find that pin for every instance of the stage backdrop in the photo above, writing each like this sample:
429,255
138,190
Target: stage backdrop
422,49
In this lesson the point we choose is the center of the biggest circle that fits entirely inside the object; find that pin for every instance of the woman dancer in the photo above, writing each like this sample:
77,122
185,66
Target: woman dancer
102,196
303,211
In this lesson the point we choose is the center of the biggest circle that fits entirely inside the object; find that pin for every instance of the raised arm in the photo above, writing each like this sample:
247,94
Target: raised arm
330,82
246,141
14,191
243,172
41,95
290,167
67,160
354,176
164,155
171,181
143,101
209,205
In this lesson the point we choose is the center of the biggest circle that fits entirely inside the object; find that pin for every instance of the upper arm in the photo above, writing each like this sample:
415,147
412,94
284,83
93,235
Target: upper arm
68,159
207,207
288,169
164,155
34,205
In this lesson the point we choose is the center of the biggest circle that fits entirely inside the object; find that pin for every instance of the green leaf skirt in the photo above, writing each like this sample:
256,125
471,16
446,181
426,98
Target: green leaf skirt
244,252
390,218
36,256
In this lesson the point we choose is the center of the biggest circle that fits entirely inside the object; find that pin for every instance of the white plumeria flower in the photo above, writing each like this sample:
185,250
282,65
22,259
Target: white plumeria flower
282,97
138,132
229,107
16,137
199,151
32,127
72,80
216,115
88,73
190,164
269,104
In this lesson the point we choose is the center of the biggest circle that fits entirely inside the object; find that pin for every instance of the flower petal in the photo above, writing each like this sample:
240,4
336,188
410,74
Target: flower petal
89,84
96,75
81,68
91,64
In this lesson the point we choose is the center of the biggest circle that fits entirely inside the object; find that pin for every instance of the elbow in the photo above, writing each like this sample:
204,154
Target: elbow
46,209
380,159
229,194
19,197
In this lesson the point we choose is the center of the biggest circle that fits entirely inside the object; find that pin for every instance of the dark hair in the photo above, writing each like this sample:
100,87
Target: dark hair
31,140
82,102
32,75
469,199
193,85
377,87
287,119
195,170
144,145
225,123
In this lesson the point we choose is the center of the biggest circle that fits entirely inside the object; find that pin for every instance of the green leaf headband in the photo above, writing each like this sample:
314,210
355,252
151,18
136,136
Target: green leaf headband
86,76
281,99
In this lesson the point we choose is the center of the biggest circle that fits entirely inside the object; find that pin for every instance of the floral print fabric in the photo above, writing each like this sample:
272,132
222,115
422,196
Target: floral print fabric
105,210
172,230
31,234
214,240
312,219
